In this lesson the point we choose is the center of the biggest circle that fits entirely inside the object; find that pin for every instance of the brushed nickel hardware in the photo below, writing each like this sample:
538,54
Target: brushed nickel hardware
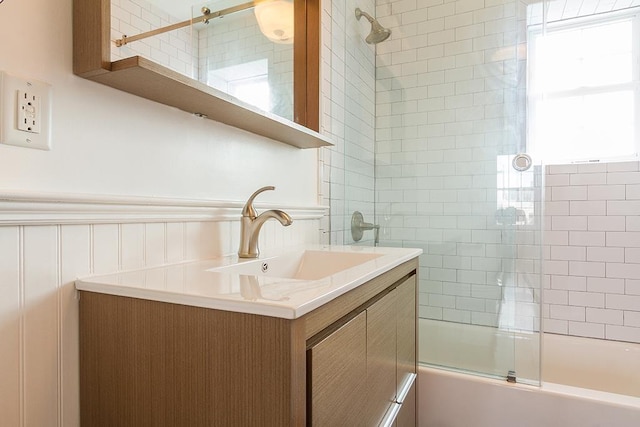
378,32
406,387
251,223
205,17
358,227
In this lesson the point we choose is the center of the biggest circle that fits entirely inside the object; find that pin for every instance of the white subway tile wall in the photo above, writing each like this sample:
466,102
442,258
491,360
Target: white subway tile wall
449,102
333,115
596,293
360,117
39,307
348,115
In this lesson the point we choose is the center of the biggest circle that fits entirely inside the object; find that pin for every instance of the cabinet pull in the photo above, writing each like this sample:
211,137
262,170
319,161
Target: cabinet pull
394,409
391,415
406,387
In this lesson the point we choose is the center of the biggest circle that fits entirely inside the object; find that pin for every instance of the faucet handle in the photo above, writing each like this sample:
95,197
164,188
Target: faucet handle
248,209
358,226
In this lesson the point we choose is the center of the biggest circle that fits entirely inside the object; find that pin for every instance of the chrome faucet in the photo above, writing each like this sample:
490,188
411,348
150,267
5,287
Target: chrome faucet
251,223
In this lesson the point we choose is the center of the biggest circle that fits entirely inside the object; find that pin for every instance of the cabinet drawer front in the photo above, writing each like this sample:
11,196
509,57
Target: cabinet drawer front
362,373
406,303
381,358
337,375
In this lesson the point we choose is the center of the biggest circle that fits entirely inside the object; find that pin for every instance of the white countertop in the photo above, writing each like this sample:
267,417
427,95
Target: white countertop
192,284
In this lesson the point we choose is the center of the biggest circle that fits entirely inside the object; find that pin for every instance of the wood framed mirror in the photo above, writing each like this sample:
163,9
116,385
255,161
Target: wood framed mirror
92,59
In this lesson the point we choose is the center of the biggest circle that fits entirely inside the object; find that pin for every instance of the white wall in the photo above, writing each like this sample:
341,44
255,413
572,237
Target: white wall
109,142
128,183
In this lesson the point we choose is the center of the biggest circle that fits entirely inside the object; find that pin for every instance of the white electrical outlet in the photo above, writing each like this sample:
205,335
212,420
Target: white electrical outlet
25,112
29,112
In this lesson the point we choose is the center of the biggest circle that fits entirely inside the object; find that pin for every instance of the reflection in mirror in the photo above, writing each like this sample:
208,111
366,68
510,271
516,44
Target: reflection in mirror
244,49
237,58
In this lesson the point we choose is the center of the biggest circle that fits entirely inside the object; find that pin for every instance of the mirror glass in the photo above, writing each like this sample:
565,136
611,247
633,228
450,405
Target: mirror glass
244,49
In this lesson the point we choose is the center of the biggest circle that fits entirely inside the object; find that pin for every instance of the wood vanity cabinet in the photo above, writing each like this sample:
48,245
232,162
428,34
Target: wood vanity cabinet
150,363
356,371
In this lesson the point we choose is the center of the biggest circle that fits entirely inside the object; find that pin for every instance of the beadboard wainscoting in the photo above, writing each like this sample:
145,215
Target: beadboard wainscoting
47,241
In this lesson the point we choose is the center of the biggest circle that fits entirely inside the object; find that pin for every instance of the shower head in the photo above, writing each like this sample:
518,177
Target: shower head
378,32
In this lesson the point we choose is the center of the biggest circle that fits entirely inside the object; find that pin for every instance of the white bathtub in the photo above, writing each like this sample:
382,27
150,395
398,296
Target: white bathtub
609,366
585,382
448,399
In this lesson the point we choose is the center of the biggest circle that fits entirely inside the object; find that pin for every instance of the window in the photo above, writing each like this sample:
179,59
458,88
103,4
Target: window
583,93
254,91
249,82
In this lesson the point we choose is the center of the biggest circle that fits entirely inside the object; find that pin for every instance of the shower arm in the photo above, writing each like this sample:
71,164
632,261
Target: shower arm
360,13
205,17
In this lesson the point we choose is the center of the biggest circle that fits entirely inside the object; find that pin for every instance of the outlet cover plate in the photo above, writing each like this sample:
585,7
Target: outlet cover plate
10,112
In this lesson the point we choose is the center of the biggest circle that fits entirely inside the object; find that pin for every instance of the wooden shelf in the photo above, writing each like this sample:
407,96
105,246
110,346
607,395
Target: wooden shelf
145,78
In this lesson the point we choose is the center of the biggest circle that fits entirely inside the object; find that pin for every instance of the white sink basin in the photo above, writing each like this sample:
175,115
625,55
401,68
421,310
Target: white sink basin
302,265
296,281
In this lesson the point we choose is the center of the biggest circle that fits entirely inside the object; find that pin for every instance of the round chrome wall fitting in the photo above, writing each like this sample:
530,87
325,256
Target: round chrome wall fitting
522,162
356,226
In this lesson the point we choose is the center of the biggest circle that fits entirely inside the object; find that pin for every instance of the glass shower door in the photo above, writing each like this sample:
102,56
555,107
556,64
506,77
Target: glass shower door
449,123
480,285
520,201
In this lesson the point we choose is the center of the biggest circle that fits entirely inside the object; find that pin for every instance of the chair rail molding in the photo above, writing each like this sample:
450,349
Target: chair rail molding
34,208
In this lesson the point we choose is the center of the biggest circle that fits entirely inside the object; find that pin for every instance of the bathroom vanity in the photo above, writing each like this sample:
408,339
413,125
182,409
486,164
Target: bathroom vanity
332,341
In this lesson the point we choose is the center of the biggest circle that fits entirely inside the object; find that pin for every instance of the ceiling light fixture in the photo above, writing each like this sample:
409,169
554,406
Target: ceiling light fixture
275,18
